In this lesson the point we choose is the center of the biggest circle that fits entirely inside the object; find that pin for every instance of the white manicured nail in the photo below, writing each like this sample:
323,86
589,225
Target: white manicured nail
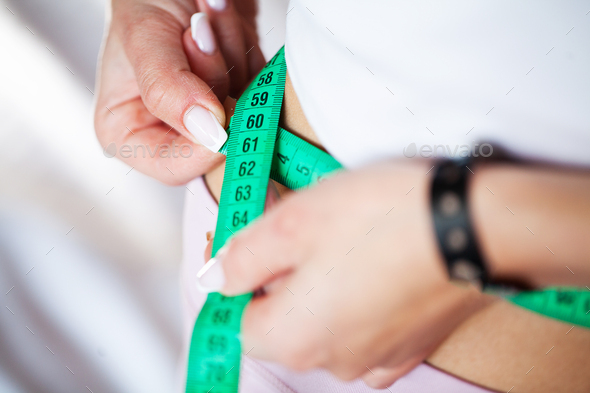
205,127
202,33
211,277
217,5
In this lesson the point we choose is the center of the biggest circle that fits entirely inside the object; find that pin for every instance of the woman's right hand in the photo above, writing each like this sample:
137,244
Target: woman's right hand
160,82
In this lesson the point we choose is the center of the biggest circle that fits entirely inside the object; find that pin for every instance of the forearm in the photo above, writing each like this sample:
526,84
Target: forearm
498,347
533,224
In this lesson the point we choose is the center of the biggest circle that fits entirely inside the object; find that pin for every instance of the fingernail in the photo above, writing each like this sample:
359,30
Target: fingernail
202,33
205,127
211,277
217,5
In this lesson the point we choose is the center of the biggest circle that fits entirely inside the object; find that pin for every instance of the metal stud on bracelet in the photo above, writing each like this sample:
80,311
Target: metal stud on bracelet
450,213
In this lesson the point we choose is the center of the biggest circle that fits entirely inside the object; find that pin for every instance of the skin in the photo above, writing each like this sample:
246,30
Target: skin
475,335
151,73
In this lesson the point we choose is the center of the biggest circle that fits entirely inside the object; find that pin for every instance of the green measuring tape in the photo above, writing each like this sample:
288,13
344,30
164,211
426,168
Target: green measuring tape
566,304
258,149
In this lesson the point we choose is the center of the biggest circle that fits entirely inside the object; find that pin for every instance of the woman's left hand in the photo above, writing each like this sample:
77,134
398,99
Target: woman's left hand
353,279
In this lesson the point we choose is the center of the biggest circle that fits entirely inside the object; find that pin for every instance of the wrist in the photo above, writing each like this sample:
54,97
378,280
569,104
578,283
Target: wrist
507,244
481,220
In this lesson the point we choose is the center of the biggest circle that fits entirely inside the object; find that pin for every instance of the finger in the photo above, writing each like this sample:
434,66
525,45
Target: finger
252,261
277,327
227,25
248,9
205,58
382,377
169,90
256,59
126,129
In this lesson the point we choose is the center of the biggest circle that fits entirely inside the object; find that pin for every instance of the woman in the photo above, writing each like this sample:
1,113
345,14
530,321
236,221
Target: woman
370,80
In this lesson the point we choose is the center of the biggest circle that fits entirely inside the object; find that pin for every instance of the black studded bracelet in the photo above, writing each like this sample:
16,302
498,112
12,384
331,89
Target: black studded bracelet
454,230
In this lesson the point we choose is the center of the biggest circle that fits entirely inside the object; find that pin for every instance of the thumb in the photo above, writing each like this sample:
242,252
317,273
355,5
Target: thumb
236,269
168,88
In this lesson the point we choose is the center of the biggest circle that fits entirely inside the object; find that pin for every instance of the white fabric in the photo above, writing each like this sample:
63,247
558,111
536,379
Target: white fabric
373,77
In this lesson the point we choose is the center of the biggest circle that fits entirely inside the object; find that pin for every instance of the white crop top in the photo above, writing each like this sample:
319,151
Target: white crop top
374,77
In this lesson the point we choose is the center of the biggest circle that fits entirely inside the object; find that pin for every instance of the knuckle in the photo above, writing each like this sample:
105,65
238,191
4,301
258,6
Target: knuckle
155,89
219,81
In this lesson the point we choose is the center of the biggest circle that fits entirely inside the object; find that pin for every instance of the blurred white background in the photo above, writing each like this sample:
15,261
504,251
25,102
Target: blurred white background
89,250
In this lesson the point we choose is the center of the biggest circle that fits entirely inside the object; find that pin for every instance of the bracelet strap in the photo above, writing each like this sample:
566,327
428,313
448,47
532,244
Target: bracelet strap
454,231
